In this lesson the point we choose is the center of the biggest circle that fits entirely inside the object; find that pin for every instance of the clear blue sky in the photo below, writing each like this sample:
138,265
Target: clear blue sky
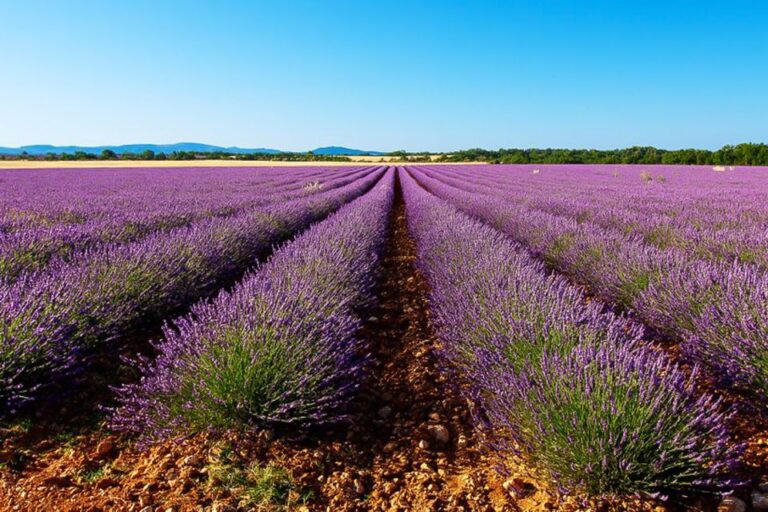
385,75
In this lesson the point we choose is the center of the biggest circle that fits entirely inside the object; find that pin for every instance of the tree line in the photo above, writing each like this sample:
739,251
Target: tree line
740,154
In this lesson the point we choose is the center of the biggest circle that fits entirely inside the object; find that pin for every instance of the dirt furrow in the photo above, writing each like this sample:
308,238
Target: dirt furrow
415,441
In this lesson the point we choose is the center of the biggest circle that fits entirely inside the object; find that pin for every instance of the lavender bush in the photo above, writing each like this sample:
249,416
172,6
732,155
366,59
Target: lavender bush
281,348
612,419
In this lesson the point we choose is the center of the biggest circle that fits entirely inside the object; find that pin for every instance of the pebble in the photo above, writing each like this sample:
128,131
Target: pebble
462,441
105,447
760,500
523,483
105,483
440,433
424,444
731,504
359,487
426,467
385,411
373,319
190,460
390,447
58,481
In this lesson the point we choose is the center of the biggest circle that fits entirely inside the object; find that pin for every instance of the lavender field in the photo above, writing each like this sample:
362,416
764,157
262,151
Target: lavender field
421,337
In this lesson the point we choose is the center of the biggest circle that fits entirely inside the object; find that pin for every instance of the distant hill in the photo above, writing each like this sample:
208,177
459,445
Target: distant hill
42,149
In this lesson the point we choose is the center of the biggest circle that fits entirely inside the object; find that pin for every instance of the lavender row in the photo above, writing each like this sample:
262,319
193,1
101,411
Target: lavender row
700,219
281,348
32,249
568,382
51,321
718,311
59,196
46,198
658,190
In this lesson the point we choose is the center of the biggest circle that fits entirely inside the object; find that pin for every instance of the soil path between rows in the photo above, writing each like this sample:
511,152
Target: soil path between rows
415,441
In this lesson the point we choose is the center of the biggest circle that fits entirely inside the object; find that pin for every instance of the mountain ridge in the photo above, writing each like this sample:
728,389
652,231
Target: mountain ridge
42,149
